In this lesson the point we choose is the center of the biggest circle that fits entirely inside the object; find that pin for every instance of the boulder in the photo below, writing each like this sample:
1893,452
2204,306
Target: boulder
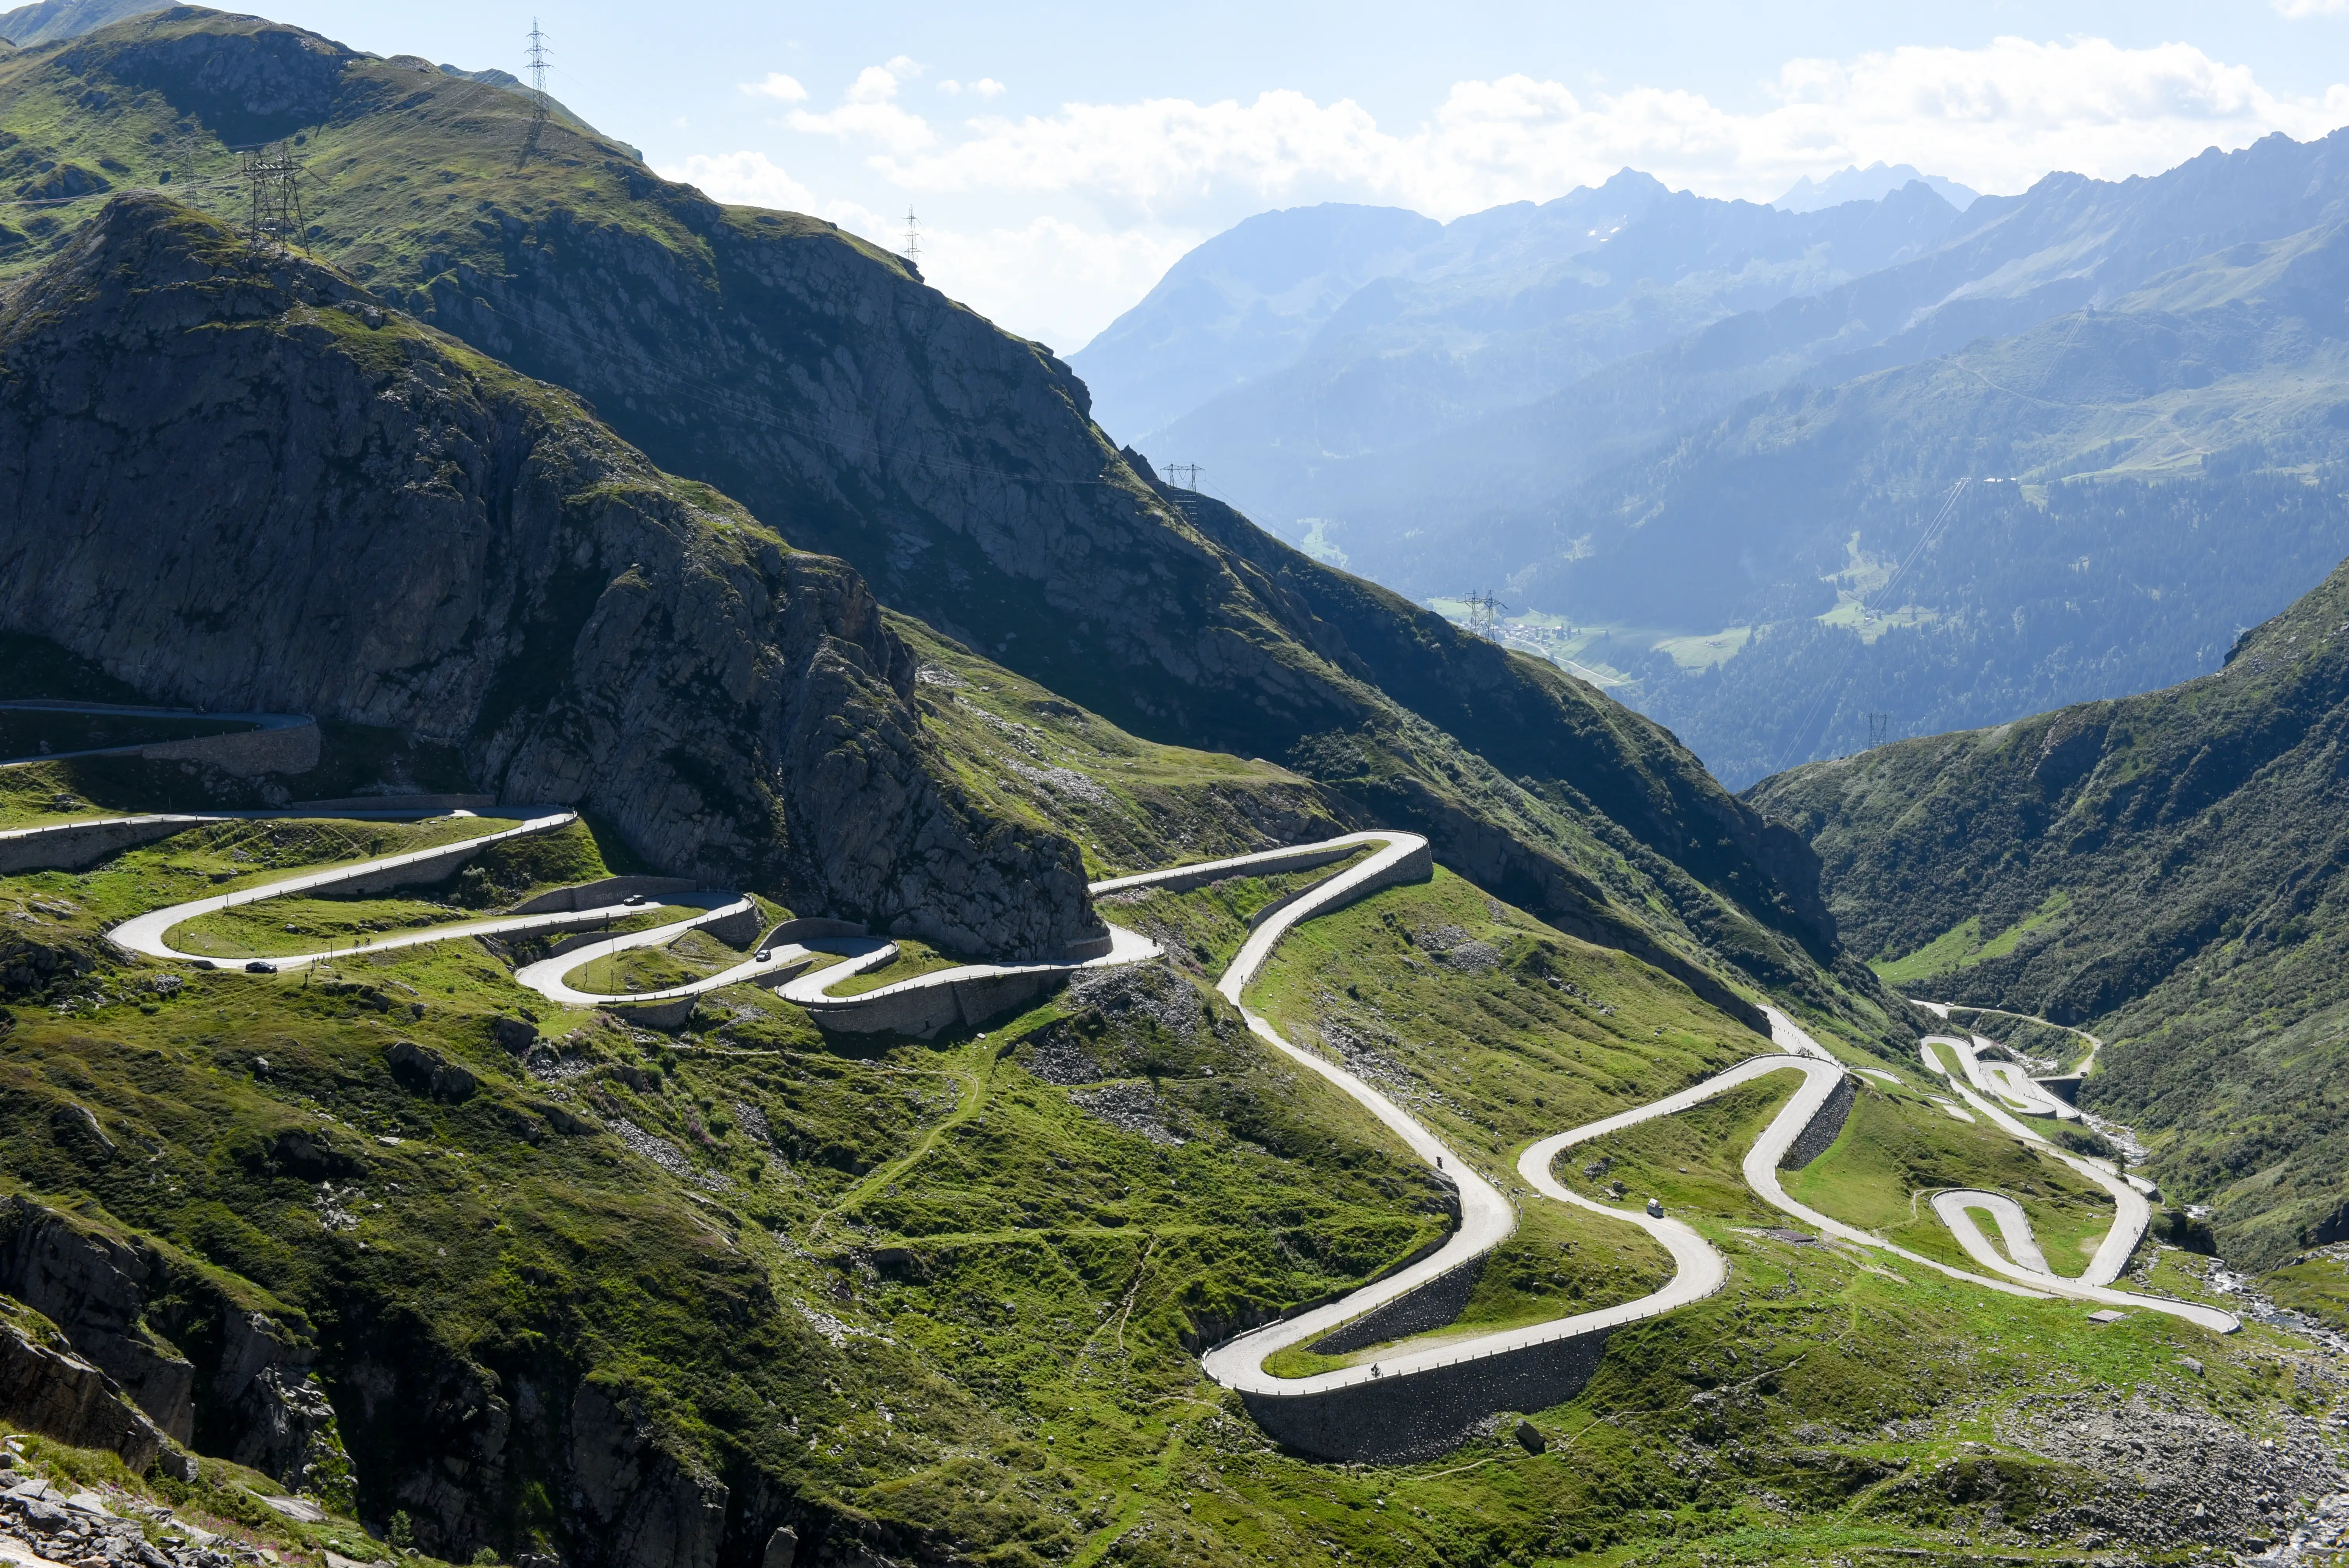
430,1074
94,1288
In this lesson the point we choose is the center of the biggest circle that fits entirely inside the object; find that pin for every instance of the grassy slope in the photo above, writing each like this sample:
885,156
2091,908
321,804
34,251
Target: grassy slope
1040,1277
1132,804
2188,845
1898,1149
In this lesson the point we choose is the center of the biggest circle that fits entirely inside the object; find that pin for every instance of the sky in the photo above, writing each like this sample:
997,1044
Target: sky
1059,157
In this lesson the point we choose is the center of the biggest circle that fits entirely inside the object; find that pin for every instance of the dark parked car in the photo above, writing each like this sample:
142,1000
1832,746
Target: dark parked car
260,967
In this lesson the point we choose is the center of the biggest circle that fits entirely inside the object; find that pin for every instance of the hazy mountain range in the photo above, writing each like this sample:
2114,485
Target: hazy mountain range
1691,428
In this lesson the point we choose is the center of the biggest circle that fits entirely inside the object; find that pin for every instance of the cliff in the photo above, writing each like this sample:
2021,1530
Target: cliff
339,512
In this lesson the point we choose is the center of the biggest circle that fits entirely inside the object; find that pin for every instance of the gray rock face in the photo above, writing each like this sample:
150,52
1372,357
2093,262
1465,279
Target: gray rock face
64,1397
264,1411
429,1073
655,1514
245,1392
94,1288
366,522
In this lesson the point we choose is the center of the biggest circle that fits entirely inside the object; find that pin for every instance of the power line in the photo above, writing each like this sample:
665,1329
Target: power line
913,238
536,57
273,184
1484,614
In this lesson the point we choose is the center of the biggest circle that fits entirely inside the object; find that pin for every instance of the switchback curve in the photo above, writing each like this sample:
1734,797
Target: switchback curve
1315,1412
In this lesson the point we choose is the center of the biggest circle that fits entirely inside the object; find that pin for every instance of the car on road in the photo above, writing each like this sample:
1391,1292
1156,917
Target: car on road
260,967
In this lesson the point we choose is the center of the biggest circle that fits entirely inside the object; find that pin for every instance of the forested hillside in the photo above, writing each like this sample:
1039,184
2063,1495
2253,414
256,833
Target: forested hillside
2094,507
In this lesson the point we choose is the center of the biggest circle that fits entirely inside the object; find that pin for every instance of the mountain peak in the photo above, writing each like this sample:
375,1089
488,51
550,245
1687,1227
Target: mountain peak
1872,183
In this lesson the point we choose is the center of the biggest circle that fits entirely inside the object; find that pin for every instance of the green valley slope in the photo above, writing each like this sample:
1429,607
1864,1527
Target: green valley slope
2170,872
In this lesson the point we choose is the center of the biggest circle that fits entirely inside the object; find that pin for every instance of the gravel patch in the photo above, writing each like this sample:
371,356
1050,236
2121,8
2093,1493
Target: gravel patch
1131,1105
668,1156
2172,1476
1452,945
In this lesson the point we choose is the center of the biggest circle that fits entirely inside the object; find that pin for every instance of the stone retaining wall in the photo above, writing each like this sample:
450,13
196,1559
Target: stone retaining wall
289,748
1825,1125
70,846
668,1015
610,890
923,1011
1430,1413
811,928
1273,865
1438,1302
739,929
1417,866
436,865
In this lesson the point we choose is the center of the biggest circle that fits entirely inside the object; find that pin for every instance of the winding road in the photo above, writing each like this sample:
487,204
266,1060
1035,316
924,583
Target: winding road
2016,1263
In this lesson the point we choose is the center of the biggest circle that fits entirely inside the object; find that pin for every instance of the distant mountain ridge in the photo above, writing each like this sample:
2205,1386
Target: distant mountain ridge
1241,305
48,21
1702,506
1872,183
1489,312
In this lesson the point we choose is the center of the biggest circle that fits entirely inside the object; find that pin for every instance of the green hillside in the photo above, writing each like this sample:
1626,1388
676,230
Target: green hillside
941,1301
853,411
2164,870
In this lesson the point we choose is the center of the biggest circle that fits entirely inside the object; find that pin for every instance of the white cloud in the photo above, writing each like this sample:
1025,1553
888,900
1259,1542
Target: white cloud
748,179
869,112
778,86
1069,216
1996,117
1049,279
2296,9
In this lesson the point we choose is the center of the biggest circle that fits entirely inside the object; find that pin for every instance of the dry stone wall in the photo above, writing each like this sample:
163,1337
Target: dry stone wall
1825,1126
1432,1412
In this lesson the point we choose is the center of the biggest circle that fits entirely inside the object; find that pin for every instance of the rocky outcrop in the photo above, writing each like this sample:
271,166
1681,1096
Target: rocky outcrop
30,963
228,1381
265,1409
94,1288
60,1395
340,513
427,1072
652,1511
